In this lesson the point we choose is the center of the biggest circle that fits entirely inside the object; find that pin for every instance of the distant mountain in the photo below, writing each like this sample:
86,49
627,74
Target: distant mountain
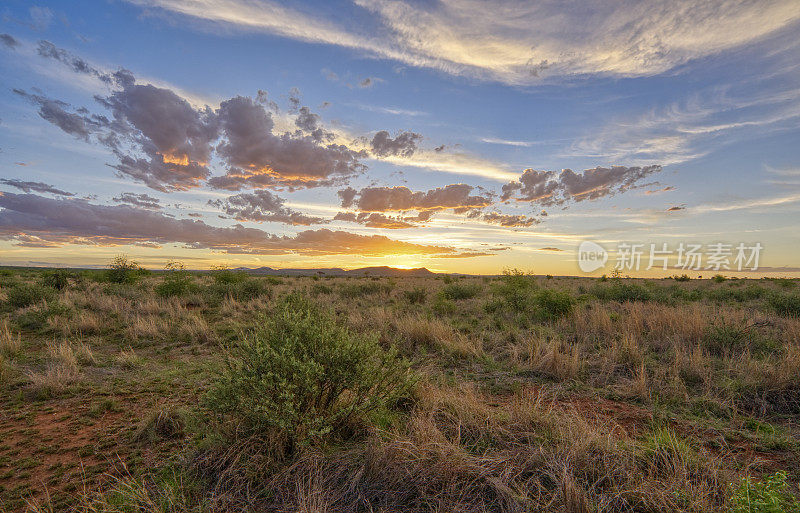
337,271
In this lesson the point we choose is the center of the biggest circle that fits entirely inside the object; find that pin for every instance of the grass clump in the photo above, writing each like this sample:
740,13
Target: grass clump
225,276
770,495
302,377
355,290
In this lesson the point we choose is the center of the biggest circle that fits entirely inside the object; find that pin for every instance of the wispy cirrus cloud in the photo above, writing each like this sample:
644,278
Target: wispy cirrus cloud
517,42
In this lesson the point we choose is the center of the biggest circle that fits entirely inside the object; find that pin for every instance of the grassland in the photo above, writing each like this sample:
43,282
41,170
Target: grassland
129,391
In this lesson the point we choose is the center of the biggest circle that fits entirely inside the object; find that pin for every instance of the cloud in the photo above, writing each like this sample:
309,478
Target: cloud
403,145
668,188
162,140
374,220
518,42
400,198
138,200
551,188
505,142
41,17
675,208
55,111
9,41
550,249
27,217
260,158
508,220
263,206
48,50
34,187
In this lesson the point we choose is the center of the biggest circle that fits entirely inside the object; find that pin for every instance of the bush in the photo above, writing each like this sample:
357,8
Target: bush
56,279
553,304
177,281
302,376
718,278
417,295
785,304
27,294
515,289
621,292
767,496
123,270
682,277
458,291
225,276
247,290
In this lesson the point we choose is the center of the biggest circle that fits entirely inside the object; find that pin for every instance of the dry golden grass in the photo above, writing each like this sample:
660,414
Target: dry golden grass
10,343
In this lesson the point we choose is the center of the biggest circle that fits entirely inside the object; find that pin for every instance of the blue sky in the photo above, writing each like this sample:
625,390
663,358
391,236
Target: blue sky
678,121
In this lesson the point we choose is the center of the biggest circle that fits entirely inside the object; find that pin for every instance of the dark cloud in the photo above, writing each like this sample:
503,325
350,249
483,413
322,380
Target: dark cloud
508,220
263,206
311,123
404,145
550,188
8,41
55,111
48,50
34,187
347,195
259,158
46,221
466,254
673,209
367,82
550,248
382,199
138,200
374,220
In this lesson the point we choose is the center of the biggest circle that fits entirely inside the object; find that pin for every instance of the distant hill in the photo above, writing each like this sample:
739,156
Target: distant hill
337,271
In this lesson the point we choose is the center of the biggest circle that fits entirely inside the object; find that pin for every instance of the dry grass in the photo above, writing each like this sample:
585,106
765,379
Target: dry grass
10,343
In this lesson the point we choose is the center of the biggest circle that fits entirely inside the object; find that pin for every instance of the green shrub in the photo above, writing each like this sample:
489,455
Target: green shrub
321,288
770,495
123,270
621,292
417,295
785,304
682,277
27,294
225,276
552,304
724,338
56,278
247,290
459,291
302,376
177,281
515,289
718,278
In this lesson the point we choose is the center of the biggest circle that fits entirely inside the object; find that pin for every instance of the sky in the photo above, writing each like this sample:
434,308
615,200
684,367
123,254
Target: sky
457,135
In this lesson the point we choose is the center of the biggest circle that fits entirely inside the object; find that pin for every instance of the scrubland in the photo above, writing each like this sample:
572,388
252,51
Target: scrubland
129,391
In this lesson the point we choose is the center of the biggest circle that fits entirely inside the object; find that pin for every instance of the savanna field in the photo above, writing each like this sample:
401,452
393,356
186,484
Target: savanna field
125,390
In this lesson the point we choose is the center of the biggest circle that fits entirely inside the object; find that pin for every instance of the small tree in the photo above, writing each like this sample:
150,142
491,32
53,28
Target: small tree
177,280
